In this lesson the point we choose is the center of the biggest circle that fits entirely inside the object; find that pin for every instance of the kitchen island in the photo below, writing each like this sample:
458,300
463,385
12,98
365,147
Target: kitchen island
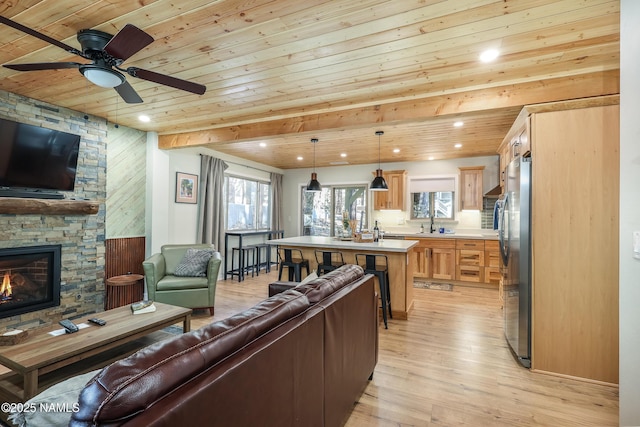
397,252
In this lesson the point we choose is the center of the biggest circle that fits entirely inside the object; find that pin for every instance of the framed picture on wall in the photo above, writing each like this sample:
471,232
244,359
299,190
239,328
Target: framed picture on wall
186,188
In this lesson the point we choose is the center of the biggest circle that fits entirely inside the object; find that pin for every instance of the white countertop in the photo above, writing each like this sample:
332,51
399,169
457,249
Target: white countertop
330,242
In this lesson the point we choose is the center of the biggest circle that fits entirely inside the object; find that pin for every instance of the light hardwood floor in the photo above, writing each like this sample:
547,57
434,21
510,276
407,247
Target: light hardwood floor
449,365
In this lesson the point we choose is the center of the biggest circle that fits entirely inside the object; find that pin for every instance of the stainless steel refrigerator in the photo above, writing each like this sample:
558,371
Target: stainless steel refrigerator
515,248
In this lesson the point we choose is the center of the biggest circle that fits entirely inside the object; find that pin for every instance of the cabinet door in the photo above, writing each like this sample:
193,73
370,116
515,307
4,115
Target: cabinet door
421,260
394,197
471,188
443,263
380,200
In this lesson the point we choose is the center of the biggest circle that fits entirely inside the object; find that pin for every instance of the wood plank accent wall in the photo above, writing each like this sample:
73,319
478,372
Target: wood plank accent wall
124,255
126,182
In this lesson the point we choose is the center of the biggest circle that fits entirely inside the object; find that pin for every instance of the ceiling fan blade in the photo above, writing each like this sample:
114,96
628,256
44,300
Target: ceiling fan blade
37,66
39,35
128,41
126,92
163,79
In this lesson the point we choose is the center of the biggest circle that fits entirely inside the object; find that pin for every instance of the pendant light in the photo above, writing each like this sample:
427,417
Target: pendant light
378,183
314,185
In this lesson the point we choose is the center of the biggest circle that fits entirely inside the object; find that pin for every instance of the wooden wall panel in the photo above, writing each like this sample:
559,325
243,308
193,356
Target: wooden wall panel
575,242
124,255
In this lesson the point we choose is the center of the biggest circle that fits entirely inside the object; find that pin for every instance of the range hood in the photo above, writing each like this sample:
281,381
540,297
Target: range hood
494,193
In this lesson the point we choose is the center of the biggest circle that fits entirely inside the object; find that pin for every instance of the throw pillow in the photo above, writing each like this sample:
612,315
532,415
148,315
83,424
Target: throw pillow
62,396
194,263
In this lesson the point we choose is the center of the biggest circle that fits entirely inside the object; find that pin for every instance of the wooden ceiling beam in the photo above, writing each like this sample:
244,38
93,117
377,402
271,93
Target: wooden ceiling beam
557,89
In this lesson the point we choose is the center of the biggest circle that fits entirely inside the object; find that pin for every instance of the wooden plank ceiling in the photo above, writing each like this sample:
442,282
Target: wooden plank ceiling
280,72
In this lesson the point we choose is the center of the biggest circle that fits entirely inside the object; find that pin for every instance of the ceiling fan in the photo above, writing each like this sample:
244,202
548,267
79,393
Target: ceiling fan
106,53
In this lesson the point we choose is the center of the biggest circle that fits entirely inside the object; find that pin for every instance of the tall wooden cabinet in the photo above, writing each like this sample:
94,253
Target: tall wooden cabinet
575,198
394,198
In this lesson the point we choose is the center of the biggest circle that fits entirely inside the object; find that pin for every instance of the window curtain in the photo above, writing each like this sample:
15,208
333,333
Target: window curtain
211,209
277,222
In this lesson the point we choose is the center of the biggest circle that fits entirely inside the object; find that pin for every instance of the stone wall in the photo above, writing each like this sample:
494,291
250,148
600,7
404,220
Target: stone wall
81,236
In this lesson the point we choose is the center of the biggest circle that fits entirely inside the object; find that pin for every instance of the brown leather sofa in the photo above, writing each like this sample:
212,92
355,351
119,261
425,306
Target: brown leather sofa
299,358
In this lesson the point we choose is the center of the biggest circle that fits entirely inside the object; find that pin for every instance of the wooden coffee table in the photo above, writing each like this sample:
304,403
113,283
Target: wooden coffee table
42,353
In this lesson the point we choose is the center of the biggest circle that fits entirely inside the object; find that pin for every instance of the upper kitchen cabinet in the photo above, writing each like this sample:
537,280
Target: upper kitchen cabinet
394,198
518,144
471,188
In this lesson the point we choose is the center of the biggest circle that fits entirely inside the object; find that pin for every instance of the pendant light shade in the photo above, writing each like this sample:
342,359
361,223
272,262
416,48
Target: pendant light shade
314,185
378,183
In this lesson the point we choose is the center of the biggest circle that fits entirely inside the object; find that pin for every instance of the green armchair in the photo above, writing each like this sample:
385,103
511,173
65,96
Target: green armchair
184,291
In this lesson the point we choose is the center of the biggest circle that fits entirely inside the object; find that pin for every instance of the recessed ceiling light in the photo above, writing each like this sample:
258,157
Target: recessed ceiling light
396,150
144,118
431,157
458,145
263,144
300,157
489,55
343,154
458,123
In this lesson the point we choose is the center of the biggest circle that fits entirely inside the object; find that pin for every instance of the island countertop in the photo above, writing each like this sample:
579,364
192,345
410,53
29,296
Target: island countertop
401,246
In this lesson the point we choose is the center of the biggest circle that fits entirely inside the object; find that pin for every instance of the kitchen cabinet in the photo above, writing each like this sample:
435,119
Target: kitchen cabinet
504,151
492,262
394,198
574,147
470,260
517,145
471,188
434,258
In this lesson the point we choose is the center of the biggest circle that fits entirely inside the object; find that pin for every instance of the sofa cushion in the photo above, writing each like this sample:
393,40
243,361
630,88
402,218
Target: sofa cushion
325,285
171,283
194,263
130,385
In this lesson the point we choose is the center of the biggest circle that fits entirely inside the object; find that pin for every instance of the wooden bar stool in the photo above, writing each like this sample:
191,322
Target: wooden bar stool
294,261
328,261
378,265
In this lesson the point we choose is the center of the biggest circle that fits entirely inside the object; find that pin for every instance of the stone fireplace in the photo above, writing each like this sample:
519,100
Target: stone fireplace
79,233
29,279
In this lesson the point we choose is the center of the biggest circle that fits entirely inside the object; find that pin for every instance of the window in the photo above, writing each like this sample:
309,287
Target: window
323,212
248,204
432,197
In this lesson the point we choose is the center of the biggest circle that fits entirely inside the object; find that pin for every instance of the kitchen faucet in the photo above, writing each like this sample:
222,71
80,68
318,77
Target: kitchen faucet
431,227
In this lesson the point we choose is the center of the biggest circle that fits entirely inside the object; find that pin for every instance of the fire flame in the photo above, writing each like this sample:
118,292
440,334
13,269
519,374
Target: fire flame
6,285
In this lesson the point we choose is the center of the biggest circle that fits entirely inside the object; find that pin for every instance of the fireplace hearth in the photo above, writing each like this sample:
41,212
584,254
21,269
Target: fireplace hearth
29,279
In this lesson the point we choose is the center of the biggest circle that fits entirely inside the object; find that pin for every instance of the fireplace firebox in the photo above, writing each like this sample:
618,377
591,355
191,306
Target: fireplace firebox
29,279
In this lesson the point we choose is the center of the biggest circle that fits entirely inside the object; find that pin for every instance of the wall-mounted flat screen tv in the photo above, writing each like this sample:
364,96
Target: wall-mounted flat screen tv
38,158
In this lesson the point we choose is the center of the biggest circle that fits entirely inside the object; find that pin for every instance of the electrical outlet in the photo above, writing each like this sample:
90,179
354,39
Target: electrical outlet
636,244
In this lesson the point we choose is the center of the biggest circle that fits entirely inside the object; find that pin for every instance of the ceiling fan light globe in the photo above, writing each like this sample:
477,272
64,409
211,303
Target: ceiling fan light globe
103,77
